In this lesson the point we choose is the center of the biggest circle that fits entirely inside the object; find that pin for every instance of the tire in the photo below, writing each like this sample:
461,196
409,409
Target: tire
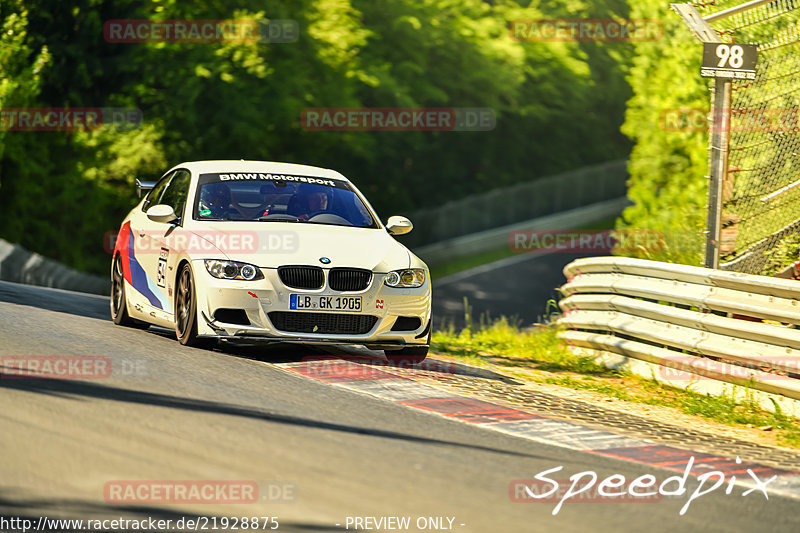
410,355
186,310
119,302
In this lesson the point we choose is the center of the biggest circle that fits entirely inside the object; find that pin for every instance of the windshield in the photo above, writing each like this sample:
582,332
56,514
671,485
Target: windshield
280,198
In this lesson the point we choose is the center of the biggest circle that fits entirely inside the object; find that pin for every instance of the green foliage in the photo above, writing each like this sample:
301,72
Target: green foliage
786,252
559,105
20,67
504,340
667,167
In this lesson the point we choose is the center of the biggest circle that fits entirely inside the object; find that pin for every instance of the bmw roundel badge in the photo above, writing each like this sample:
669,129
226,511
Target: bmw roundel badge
324,260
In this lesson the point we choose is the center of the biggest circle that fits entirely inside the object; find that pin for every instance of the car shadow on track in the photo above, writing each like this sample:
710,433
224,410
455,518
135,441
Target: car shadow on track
432,367
277,353
271,352
84,389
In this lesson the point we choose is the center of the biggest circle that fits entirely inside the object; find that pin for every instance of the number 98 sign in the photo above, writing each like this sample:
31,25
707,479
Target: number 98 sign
729,60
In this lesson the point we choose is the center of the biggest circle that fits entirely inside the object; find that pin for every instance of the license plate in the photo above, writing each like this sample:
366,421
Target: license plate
304,302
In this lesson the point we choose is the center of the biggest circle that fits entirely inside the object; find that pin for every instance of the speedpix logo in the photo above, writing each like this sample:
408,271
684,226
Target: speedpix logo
643,488
584,491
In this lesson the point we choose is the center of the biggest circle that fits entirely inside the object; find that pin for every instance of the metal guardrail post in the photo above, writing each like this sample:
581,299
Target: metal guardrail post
718,163
720,133
658,312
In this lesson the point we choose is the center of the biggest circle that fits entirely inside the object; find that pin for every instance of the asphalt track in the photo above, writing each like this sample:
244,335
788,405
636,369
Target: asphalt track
518,287
169,412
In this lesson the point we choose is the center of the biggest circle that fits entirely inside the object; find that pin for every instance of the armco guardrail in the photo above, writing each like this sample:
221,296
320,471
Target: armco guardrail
728,326
496,238
22,266
505,206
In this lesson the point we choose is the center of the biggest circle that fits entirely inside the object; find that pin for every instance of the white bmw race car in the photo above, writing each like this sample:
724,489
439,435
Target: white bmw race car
273,252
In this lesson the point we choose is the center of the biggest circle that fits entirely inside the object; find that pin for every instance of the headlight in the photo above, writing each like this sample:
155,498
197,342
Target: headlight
408,278
232,270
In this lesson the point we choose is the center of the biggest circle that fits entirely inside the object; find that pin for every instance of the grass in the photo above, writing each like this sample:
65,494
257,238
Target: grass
546,359
465,263
503,338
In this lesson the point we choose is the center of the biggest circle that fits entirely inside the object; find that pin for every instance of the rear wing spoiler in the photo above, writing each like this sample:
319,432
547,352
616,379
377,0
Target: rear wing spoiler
144,186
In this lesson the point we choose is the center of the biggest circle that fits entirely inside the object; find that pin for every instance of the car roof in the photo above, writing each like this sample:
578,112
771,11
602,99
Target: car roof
240,165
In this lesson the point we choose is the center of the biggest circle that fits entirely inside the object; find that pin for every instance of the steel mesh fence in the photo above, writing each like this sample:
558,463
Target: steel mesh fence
761,193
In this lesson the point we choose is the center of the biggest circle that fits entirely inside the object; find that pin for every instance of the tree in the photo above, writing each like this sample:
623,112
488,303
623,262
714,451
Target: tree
668,163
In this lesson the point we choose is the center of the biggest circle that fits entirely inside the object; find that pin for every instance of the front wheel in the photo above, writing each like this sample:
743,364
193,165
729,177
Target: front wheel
411,355
186,309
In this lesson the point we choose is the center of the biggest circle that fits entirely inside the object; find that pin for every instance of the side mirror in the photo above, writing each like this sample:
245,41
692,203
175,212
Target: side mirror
162,213
144,186
397,225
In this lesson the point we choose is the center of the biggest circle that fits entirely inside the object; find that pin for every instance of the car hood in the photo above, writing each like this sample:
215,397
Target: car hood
272,244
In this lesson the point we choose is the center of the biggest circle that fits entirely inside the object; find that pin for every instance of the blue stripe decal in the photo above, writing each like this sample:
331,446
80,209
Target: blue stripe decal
142,283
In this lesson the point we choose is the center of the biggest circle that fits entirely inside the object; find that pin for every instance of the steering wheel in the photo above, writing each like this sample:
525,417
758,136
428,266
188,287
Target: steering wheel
328,217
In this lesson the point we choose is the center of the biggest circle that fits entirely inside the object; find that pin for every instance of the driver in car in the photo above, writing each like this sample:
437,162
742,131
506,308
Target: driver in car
215,200
309,201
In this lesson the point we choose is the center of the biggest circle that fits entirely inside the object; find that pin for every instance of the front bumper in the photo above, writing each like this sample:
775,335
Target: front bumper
258,298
